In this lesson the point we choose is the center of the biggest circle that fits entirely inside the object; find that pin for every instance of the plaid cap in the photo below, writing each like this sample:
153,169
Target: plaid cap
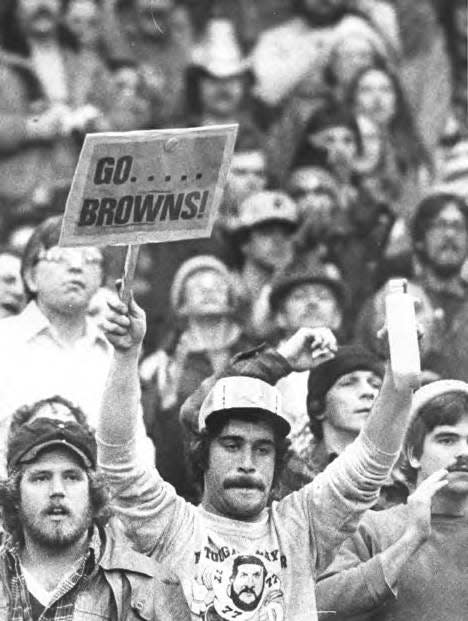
231,395
31,438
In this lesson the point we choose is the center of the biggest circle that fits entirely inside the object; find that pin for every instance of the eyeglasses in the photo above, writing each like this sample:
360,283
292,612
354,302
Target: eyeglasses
457,226
71,256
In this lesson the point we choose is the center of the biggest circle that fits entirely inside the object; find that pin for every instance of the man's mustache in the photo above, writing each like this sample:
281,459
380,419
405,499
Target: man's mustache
223,95
248,589
53,507
243,482
43,12
450,245
461,464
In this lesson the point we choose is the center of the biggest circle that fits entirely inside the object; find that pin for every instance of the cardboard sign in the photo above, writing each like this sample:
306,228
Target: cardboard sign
147,186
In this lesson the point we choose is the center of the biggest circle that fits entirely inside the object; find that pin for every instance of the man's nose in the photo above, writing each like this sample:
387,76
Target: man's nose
247,461
367,390
75,263
18,288
56,486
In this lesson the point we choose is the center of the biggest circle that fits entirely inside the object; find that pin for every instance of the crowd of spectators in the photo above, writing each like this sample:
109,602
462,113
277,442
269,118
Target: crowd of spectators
350,168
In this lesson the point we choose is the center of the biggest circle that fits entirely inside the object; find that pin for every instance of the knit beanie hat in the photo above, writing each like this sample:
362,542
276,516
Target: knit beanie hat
347,359
190,267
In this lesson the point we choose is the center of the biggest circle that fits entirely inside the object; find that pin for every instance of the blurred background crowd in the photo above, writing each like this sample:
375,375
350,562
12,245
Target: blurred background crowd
350,167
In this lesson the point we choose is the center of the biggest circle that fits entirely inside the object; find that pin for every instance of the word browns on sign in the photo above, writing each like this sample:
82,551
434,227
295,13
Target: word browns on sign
141,209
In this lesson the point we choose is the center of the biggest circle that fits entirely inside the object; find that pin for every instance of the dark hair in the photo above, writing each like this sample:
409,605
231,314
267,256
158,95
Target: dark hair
10,500
15,40
330,113
200,444
247,559
427,210
10,250
249,139
445,409
45,236
336,13
409,148
193,76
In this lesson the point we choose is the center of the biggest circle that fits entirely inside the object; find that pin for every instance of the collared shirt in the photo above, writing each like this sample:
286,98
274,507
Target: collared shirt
35,364
62,604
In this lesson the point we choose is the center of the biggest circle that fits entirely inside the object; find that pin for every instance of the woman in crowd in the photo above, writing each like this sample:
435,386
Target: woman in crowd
375,92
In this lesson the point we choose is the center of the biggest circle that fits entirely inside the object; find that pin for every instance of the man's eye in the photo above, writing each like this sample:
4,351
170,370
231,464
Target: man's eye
38,478
73,476
447,441
230,446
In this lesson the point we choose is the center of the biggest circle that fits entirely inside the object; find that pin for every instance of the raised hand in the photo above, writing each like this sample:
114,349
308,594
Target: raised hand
125,325
309,347
419,505
49,125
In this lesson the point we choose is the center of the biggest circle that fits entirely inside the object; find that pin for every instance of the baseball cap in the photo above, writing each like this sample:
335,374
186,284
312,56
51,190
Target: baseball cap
430,391
267,206
230,395
31,438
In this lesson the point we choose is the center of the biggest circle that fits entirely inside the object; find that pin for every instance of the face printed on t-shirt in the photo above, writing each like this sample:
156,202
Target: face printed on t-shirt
246,587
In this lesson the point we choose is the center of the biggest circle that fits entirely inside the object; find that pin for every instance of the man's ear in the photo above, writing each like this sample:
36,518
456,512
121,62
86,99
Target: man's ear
280,320
413,461
30,280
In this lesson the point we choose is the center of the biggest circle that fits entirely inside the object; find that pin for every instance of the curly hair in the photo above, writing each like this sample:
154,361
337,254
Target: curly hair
10,501
200,443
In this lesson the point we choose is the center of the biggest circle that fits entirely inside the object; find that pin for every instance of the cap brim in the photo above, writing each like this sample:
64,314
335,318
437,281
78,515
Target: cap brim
246,226
32,454
278,422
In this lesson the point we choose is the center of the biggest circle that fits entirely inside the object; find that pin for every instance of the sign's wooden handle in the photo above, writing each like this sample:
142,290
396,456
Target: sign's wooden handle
131,259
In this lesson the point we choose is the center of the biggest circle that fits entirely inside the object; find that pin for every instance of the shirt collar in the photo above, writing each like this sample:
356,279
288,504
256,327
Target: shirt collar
34,322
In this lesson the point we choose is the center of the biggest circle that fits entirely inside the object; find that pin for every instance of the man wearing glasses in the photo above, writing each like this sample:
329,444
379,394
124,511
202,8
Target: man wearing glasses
52,347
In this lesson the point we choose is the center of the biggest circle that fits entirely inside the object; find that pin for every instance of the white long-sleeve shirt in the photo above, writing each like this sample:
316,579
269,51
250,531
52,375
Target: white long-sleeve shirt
293,539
